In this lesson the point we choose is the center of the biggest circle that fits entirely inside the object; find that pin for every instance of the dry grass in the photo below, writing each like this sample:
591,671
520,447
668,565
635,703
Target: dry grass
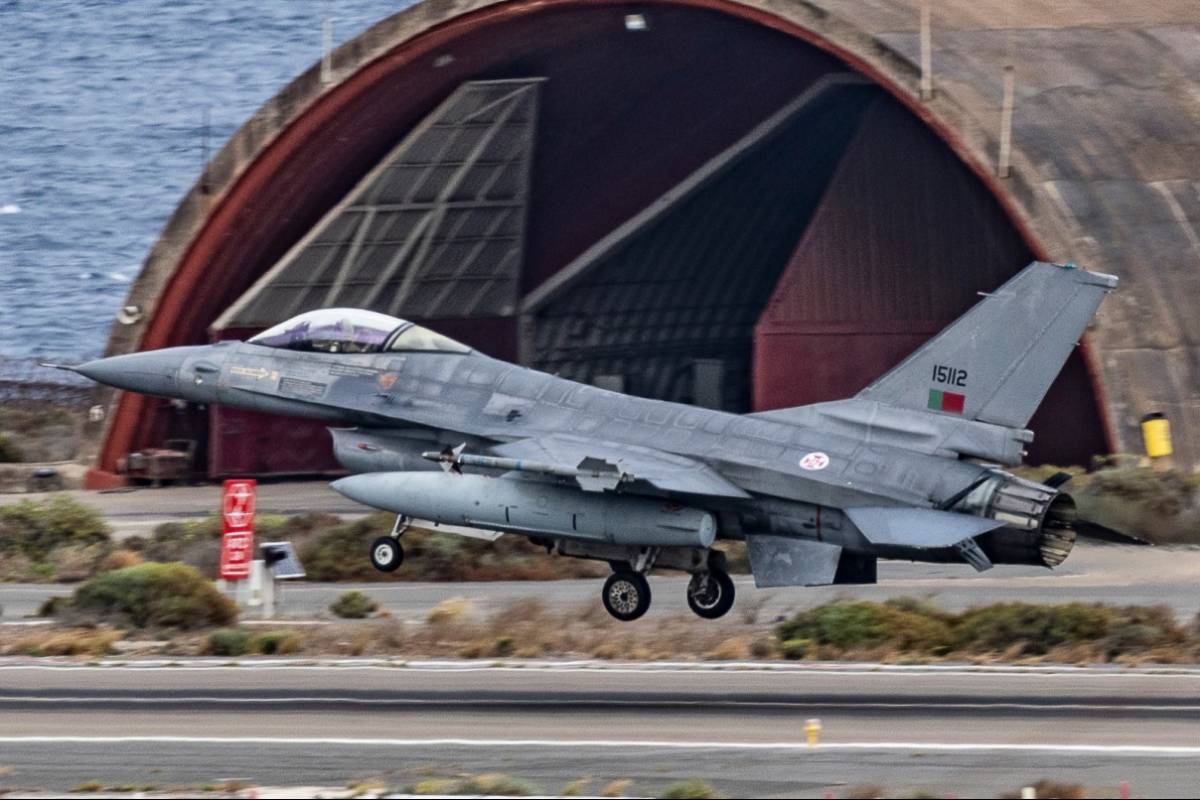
528,629
52,641
617,788
119,559
450,611
735,648
896,632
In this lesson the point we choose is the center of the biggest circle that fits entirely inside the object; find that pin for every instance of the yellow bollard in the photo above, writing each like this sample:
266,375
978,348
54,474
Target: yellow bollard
1156,433
812,731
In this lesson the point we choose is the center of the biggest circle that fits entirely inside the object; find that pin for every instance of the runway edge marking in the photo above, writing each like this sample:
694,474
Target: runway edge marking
717,667
949,747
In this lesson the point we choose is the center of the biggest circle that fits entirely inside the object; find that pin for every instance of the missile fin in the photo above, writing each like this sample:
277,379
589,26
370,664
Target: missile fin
598,475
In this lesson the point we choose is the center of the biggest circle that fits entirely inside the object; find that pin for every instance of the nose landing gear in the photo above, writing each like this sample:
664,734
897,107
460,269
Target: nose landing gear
386,553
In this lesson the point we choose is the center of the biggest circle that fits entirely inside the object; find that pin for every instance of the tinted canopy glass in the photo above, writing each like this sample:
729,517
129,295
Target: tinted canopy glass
351,330
414,337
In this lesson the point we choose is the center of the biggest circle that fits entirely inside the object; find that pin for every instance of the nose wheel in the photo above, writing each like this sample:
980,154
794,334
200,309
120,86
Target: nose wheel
626,595
710,594
386,553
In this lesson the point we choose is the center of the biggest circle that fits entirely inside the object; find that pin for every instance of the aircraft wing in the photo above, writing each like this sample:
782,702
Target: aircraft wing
603,465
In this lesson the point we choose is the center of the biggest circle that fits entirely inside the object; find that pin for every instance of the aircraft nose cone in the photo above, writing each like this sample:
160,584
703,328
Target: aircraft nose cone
155,372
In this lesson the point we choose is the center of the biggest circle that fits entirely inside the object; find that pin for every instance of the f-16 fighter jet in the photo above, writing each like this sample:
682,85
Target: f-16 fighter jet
910,468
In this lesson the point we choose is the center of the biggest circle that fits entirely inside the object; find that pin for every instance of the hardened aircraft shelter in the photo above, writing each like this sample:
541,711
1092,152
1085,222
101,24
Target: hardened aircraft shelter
743,205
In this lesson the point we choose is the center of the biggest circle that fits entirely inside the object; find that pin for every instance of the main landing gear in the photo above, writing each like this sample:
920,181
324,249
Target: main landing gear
710,593
626,595
386,553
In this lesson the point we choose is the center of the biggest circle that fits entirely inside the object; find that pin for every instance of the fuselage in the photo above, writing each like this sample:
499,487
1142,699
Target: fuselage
474,396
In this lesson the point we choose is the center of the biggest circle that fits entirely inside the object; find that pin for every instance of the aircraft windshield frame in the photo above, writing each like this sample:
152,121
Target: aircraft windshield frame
353,331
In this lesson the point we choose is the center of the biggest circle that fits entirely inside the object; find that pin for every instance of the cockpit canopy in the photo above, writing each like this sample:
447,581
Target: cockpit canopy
352,330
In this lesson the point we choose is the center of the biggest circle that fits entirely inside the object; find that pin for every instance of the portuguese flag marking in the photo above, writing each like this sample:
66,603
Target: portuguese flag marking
949,402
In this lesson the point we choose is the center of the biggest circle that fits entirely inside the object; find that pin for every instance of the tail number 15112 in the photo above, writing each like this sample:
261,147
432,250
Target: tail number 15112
950,376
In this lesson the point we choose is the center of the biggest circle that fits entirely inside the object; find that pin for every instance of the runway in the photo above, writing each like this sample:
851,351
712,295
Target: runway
742,729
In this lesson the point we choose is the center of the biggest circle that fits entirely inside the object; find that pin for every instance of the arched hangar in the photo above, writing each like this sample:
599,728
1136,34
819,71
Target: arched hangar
743,204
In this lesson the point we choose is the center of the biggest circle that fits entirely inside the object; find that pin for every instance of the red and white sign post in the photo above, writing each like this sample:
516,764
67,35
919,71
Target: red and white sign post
237,541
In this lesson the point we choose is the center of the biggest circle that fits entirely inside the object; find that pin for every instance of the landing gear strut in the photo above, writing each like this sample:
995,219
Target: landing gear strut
386,553
626,594
710,593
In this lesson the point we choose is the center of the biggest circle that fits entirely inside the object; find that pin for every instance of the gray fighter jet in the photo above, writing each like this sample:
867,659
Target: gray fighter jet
910,468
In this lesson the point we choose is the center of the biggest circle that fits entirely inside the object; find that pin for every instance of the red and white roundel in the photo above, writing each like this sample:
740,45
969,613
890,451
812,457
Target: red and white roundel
814,461
239,505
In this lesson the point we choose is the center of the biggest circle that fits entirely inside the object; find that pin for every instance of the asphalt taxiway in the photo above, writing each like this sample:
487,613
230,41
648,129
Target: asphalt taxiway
962,731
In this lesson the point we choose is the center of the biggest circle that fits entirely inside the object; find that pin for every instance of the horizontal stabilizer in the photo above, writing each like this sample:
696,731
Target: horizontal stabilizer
1086,529
923,528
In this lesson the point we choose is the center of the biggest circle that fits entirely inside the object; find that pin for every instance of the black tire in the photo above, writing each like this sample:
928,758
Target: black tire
711,594
386,554
626,595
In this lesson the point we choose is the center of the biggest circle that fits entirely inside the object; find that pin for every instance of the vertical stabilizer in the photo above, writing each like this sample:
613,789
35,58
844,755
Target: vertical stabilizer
996,362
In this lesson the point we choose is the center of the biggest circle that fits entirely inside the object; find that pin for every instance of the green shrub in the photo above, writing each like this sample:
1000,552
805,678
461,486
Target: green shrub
340,554
796,649
9,452
353,605
239,642
277,643
495,784
155,595
53,606
491,784
1041,627
863,625
690,790
914,627
36,529
228,642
